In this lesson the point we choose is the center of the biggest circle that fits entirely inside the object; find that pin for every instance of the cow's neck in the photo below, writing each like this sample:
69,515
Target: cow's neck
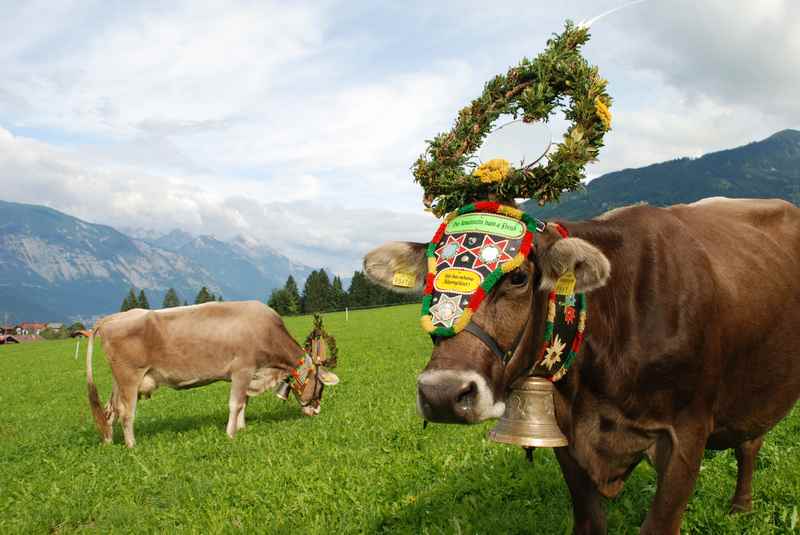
589,370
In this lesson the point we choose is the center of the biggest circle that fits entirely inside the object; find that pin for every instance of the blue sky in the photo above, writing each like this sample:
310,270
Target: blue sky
296,123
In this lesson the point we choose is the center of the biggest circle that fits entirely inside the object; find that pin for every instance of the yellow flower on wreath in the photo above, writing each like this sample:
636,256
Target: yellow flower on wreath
602,111
493,171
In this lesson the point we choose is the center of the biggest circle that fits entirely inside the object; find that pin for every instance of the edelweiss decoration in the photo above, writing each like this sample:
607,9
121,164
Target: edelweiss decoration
472,249
558,78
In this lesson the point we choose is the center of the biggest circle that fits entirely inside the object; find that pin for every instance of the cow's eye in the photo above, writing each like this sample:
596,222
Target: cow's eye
518,278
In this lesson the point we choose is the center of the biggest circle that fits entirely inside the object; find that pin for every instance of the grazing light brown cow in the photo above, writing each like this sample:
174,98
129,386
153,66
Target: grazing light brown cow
245,343
692,342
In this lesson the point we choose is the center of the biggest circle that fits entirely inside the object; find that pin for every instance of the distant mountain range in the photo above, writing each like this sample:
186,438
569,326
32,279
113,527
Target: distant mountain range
767,168
54,267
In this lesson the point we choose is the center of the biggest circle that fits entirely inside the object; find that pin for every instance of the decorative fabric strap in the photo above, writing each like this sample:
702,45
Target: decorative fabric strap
299,376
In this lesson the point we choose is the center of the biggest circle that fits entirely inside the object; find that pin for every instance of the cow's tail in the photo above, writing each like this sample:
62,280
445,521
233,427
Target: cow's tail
100,420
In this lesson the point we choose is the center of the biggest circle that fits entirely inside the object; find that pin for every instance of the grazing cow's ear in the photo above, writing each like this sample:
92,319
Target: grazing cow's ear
327,377
399,266
590,265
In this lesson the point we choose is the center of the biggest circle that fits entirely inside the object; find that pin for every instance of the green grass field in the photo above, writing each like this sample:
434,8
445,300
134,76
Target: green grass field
364,465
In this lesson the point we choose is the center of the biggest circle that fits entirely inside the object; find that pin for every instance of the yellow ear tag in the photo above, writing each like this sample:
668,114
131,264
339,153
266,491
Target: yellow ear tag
565,285
402,279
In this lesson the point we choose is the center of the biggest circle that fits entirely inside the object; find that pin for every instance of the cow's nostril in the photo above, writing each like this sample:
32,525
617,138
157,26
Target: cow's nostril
467,394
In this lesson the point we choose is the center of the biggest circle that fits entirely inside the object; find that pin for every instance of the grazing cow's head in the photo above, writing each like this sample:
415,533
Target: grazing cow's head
468,375
308,380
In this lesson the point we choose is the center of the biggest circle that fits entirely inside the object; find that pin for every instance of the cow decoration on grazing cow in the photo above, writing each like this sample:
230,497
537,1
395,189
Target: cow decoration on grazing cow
245,343
663,331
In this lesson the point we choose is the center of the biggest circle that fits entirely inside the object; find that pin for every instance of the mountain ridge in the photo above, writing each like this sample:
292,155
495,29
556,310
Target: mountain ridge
766,168
54,266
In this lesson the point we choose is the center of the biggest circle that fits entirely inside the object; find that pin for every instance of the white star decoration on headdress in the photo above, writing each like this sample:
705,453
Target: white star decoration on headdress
447,310
490,253
448,252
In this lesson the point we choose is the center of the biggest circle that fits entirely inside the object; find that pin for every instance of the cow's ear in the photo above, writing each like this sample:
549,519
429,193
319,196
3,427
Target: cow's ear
399,266
590,265
327,377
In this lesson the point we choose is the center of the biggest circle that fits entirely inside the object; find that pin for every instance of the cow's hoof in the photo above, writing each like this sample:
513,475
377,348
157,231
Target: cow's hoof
740,506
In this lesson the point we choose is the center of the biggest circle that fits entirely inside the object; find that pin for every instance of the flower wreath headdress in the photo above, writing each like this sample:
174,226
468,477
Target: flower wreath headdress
479,242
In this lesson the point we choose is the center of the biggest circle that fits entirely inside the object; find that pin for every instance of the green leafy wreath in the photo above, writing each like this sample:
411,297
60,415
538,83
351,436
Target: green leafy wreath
447,171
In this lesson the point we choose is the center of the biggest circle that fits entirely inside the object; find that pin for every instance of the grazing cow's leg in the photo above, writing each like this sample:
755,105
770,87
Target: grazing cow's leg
678,458
127,383
128,395
240,419
587,505
746,454
238,398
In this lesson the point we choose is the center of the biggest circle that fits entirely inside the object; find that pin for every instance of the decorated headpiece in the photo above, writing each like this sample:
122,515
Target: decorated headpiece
480,241
472,249
448,172
321,345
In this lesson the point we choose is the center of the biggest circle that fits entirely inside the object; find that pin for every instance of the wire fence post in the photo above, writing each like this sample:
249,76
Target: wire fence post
346,314
77,345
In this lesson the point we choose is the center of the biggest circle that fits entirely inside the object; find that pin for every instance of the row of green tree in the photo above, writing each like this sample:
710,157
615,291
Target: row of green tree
320,294
171,299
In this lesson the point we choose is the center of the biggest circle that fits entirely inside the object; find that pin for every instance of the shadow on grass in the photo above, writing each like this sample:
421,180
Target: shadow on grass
155,425
517,498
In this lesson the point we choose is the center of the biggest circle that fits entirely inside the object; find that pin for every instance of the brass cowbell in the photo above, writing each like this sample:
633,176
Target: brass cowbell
529,419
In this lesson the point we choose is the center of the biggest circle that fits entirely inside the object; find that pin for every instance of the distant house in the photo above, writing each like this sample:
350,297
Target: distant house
55,326
8,329
32,329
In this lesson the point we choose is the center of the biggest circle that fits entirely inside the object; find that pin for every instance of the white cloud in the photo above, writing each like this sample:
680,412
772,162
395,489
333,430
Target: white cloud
319,234
298,123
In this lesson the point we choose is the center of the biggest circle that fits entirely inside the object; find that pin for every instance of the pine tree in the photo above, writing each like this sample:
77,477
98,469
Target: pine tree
129,302
317,292
142,301
171,299
359,292
203,296
338,295
185,303
279,301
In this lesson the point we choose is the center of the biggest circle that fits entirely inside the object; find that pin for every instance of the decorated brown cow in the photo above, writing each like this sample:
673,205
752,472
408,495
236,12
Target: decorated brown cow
663,331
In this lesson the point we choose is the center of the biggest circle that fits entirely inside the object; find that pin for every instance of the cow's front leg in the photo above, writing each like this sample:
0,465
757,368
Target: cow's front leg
677,461
587,504
238,398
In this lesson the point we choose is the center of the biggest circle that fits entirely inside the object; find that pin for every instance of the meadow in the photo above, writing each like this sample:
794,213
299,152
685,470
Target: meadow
364,465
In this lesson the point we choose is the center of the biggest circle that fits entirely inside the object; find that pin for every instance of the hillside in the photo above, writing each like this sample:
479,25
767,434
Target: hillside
57,267
767,168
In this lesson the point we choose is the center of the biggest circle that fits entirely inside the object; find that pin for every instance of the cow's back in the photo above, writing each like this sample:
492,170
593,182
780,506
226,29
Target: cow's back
197,343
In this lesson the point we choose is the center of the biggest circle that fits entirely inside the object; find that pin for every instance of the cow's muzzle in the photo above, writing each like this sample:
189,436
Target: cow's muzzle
455,396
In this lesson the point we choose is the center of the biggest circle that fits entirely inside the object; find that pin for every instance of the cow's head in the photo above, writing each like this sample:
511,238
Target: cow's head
466,380
311,376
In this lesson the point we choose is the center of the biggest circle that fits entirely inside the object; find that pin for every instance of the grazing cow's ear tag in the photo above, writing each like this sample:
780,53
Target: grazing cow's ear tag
565,285
403,279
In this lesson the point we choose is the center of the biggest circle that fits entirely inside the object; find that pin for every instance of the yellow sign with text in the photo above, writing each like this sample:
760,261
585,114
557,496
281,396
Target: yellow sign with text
457,280
565,285
402,279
